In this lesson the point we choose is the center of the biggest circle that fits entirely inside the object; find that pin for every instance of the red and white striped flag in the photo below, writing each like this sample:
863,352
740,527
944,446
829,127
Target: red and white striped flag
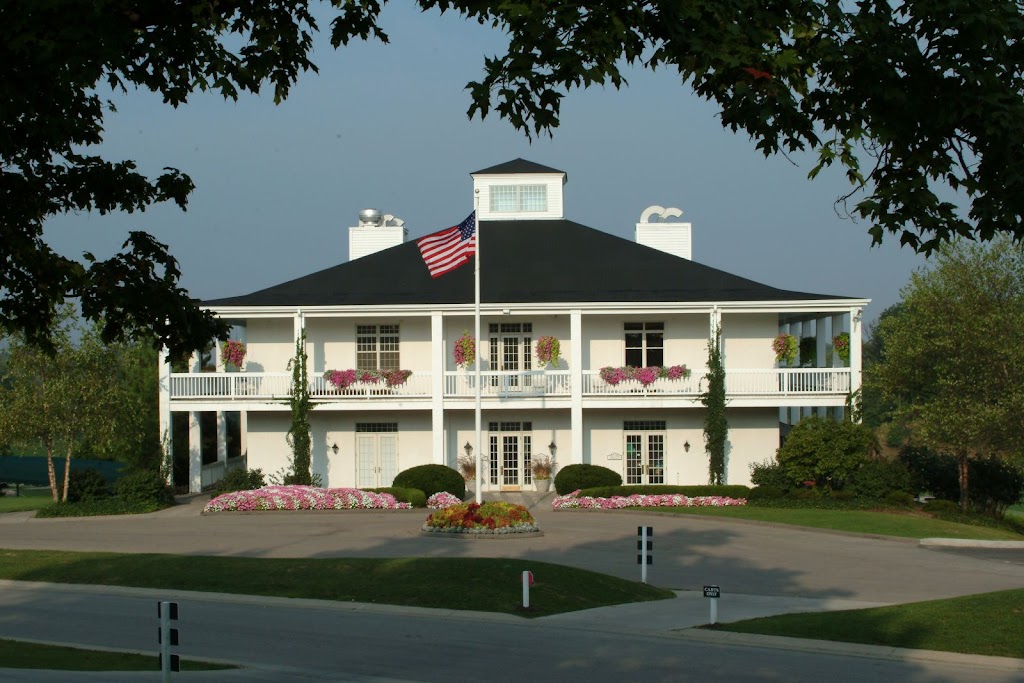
447,249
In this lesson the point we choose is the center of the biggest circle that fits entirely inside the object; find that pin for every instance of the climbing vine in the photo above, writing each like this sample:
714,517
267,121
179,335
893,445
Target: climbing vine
716,426
298,434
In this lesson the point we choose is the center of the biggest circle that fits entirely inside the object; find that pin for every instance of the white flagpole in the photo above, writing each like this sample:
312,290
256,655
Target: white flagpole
479,348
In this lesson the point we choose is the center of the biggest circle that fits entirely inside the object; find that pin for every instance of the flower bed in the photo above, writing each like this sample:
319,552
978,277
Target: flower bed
303,498
443,500
573,500
491,518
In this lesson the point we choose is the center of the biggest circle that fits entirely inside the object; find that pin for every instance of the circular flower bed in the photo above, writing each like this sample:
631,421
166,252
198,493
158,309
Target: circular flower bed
303,498
491,518
574,500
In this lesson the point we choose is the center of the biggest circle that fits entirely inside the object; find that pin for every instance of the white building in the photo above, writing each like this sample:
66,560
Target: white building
610,303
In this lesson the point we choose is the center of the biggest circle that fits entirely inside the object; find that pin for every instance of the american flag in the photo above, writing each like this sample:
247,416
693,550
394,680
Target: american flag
446,250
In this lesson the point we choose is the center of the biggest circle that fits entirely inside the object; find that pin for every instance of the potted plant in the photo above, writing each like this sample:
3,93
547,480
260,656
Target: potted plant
841,346
785,347
464,352
232,354
548,351
542,467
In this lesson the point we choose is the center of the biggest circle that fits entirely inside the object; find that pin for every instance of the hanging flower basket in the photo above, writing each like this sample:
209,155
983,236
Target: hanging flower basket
232,353
343,379
549,351
841,346
464,352
646,376
785,347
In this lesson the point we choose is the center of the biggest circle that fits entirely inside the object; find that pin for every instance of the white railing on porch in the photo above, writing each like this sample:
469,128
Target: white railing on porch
534,383
525,384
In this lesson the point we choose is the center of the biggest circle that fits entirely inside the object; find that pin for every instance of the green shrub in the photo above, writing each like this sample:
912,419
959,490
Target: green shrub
144,486
572,477
842,495
413,497
100,506
995,485
940,505
877,478
87,484
241,480
765,492
724,490
770,473
900,499
932,472
431,479
825,451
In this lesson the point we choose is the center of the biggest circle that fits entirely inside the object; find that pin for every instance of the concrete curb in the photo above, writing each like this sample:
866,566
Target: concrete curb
969,543
851,649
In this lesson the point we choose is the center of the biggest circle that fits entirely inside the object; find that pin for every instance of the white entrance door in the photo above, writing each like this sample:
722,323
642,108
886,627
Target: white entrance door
510,353
510,456
645,458
376,460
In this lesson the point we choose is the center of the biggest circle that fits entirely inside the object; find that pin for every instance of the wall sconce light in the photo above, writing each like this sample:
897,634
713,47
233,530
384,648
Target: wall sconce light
335,448
552,448
468,449
686,446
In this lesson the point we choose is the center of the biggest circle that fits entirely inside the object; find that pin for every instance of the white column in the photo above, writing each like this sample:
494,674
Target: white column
822,346
856,359
164,408
195,455
222,438
575,388
437,382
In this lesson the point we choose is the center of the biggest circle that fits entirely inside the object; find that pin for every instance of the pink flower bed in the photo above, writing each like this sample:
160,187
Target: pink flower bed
574,500
303,498
443,500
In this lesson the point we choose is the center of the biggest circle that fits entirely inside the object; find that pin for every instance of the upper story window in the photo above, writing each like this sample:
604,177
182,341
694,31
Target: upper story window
645,344
377,347
510,346
518,198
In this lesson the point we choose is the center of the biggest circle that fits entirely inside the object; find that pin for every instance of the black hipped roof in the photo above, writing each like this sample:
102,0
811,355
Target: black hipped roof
526,261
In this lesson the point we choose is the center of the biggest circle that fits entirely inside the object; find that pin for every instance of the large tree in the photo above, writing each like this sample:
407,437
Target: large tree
950,359
919,102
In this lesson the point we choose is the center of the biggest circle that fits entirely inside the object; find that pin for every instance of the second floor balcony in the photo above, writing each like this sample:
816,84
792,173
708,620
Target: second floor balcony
774,386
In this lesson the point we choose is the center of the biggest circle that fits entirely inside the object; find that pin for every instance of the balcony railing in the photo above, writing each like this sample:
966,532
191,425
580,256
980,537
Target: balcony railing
534,383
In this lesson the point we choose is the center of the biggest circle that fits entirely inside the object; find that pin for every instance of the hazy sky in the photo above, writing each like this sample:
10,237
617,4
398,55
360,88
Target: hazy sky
386,127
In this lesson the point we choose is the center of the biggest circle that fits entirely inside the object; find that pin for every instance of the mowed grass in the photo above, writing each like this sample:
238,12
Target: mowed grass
15,654
30,499
986,624
487,585
905,525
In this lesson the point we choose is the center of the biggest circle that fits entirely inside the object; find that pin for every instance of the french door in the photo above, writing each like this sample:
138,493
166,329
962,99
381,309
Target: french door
511,351
645,453
376,455
511,450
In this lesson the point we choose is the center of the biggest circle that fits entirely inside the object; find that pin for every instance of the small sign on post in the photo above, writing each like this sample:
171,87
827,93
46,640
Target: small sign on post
167,637
646,547
713,592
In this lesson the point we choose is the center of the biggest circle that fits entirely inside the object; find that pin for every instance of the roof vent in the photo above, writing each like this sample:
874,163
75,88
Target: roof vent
371,217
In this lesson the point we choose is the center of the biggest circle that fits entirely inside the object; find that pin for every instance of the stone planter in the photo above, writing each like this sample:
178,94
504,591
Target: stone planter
542,485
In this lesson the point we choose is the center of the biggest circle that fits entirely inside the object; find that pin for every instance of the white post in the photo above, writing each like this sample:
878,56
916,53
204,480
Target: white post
527,578
478,412
714,610
575,388
437,386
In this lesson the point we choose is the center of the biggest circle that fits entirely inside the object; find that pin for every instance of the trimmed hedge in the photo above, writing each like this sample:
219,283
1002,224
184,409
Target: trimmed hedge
413,497
723,490
100,506
431,479
572,477
241,480
87,484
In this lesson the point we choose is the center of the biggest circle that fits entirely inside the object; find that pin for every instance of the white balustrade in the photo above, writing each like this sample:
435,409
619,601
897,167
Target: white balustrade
525,384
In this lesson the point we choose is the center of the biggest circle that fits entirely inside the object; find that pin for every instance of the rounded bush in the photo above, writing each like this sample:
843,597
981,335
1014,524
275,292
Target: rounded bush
144,486
241,480
413,497
572,477
900,499
432,479
940,506
879,478
87,484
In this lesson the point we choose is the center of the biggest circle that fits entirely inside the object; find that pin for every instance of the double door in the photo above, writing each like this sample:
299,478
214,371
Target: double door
376,459
510,458
645,458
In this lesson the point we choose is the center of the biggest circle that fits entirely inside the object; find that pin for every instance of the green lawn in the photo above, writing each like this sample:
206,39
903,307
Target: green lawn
30,499
18,655
489,585
985,624
860,521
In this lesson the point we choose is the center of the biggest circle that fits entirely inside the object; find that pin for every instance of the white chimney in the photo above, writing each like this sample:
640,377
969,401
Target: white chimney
375,232
663,235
